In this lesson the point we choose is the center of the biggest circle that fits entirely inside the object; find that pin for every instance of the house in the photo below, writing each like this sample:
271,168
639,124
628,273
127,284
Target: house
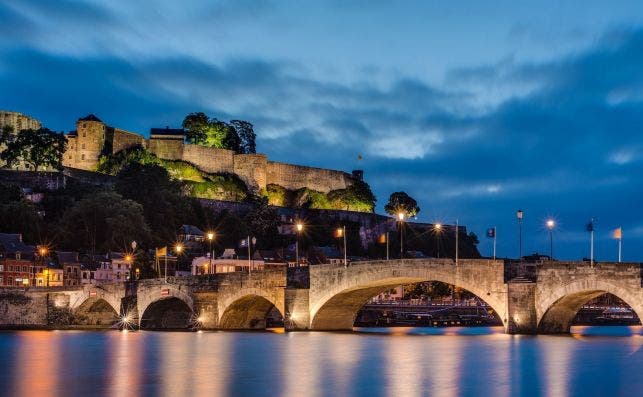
70,263
18,261
228,262
320,255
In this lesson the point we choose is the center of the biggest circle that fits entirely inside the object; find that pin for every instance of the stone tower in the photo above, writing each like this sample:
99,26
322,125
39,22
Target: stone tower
86,145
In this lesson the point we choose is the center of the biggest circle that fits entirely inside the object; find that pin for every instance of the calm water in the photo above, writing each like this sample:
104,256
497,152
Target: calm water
382,362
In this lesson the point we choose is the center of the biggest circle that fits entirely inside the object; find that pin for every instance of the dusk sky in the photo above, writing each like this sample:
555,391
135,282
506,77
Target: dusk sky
476,108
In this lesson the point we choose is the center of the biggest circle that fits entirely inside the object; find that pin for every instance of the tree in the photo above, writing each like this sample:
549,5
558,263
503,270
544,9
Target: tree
18,215
164,206
246,133
196,126
103,221
263,222
400,202
210,132
38,148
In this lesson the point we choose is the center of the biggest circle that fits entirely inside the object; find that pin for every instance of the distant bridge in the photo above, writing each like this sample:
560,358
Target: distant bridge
324,297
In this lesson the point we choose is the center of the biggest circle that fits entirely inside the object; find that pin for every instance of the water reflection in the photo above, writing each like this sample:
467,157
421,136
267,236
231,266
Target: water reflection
381,362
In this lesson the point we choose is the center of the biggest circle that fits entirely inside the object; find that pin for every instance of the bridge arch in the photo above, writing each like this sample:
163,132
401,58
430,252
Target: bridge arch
247,309
556,310
95,311
336,307
164,306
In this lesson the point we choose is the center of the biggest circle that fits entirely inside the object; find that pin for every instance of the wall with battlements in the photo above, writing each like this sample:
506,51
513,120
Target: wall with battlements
93,138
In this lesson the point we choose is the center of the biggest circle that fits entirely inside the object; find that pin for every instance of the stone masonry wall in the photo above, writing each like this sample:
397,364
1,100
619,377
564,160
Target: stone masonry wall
295,177
251,168
167,149
125,139
207,159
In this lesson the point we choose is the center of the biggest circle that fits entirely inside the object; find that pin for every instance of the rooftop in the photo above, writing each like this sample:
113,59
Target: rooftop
90,117
167,131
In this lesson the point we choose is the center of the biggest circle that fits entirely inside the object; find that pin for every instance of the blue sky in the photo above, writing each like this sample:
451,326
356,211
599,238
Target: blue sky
474,108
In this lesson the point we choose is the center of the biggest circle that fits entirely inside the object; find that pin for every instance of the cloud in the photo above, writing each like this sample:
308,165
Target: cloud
557,135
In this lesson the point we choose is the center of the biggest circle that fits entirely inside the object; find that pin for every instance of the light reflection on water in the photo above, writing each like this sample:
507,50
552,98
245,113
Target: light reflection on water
373,362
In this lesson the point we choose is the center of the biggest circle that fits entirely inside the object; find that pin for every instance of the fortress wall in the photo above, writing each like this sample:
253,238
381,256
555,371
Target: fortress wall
167,149
209,159
296,177
251,168
69,157
125,139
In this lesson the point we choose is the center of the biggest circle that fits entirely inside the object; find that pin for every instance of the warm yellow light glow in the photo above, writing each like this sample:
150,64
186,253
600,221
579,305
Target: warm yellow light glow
128,258
550,224
400,216
438,226
42,251
179,248
300,227
340,232
211,236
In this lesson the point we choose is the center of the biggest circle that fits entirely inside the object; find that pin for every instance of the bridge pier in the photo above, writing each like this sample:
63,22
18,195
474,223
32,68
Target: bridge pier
297,316
521,308
206,310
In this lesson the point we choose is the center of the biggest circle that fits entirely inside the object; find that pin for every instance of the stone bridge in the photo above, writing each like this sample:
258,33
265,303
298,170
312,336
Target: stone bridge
324,297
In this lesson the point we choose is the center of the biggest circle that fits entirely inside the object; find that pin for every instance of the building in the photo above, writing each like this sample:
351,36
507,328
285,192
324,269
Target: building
18,121
17,261
228,262
70,263
111,267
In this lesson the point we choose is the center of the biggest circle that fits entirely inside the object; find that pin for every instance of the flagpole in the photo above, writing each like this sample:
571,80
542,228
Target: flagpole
456,242
494,243
620,241
591,248
249,263
345,257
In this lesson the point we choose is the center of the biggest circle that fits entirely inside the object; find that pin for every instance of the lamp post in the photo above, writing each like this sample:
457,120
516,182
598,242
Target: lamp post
299,227
178,249
400,217
438,233
519,215
210,239
341,232
550,226
42,251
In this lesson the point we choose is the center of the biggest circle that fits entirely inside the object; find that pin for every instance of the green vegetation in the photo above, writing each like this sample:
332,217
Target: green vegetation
195,183
357,197
400,202
38,148
237,135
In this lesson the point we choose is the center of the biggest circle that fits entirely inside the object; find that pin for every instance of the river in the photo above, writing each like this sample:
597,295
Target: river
601,361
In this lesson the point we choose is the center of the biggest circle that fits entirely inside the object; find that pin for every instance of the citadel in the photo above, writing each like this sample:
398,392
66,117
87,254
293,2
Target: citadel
93,138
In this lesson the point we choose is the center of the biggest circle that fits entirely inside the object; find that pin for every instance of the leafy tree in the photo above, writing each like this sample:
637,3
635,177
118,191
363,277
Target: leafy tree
103,221
246,133
6,134
356,197
19,216
113,163
230,230
196,126
210,132
164,206
263,222
38,148
400,202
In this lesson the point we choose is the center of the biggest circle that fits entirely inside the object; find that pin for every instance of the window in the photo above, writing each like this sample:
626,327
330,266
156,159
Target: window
1,268
82,157
17,255
83,147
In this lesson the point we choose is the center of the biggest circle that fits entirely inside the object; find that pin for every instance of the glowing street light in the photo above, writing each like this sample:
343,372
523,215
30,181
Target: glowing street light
400,217
437,228
210,236
550,226
341,232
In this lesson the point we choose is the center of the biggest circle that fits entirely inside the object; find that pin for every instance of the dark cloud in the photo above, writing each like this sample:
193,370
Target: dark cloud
567,145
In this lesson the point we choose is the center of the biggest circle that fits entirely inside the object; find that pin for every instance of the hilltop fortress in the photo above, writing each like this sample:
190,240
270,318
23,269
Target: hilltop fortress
94,138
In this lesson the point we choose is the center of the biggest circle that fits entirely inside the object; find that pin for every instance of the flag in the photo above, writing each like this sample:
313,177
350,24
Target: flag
618,233
491,232
382,238
161,251
590,226
243,243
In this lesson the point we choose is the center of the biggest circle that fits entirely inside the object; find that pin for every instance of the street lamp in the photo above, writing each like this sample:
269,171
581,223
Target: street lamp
210,239
400,217
519,215
550,226
438,233
300,227
341,232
